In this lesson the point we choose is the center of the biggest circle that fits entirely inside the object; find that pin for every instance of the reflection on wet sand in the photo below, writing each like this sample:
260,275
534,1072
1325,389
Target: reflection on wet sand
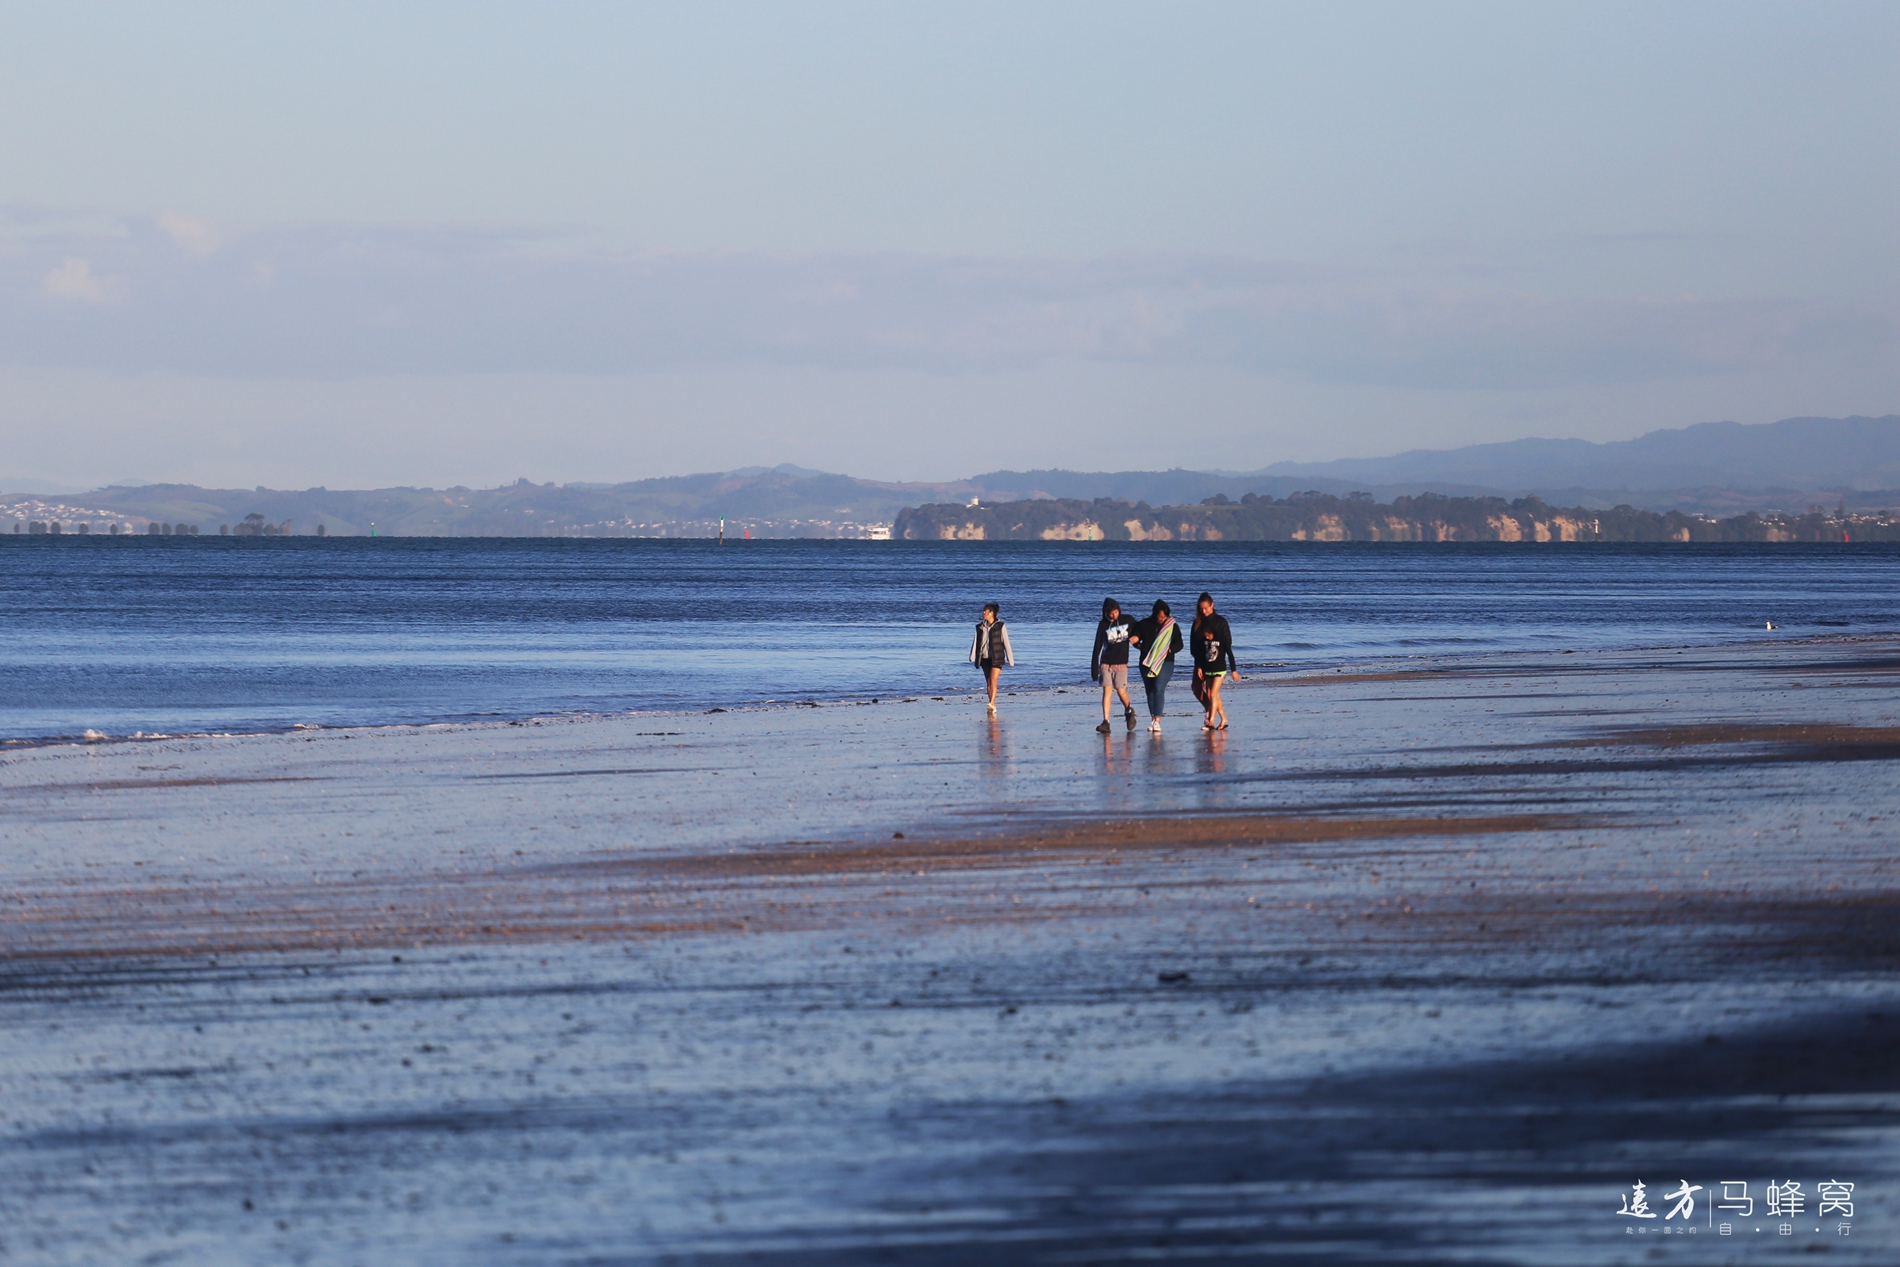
993,755
1211,756
829,986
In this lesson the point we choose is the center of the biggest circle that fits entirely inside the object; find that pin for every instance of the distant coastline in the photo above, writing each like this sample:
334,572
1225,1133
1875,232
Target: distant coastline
1713,475
1324,517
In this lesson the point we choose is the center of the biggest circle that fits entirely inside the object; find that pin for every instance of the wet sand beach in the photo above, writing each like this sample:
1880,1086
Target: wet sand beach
1422,961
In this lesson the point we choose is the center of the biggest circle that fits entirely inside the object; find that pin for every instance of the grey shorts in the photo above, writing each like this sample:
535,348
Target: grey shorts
1115,678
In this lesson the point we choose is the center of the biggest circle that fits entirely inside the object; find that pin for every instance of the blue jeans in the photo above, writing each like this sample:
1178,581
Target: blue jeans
1157,688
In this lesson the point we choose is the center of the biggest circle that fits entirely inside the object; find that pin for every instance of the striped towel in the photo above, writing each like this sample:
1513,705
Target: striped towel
1152,658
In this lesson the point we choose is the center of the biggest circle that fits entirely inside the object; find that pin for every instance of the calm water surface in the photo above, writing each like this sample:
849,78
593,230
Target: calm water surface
124,635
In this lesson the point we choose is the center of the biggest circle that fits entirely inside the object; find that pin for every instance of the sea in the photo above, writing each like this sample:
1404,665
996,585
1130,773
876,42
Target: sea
115,637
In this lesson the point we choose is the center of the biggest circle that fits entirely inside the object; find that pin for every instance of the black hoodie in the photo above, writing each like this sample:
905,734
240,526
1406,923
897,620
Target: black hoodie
1213,644
1111,639
1149,631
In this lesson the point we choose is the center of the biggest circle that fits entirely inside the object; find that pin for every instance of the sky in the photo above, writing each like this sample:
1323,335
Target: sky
364,245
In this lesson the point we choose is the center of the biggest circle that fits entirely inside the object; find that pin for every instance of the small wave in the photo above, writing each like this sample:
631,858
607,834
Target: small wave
1447,642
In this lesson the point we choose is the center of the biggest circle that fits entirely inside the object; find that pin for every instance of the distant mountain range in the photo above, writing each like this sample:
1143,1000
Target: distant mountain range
1832,455
32,484
769,502
1709,468
1714,468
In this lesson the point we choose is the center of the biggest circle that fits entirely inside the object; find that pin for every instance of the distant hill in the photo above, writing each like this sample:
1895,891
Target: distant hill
1810,454
777,502
1718,468
1715,467
30,484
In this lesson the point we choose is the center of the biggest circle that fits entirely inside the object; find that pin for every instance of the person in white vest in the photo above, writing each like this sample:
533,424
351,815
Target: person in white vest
989,650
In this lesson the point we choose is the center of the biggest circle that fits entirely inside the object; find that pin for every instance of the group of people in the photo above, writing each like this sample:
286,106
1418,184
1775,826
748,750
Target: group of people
1152,643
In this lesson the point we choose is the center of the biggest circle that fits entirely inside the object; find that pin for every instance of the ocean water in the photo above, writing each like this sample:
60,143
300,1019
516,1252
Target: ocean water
166,635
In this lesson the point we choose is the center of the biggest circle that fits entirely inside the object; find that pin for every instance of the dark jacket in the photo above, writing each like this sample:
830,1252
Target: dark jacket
1213,644
1147,631
991,645
1111,639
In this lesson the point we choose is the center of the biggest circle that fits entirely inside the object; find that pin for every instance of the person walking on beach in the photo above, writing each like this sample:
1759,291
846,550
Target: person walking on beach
990,649
1109,663
1213,645
1158,637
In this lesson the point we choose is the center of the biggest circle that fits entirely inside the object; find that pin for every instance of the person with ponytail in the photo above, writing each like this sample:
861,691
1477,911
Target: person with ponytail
989,650
1213,644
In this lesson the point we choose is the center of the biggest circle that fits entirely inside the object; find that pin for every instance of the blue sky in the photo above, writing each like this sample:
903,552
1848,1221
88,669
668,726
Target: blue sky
442,244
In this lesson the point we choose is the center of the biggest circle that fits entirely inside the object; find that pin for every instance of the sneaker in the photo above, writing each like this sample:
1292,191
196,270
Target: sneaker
1104,727
1130,717
1155,725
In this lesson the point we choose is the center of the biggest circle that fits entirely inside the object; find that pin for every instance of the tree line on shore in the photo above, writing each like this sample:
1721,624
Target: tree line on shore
1357,517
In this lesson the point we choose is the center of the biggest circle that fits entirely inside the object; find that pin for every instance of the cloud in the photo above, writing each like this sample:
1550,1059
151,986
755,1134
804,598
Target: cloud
74,282
192,235
340,302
